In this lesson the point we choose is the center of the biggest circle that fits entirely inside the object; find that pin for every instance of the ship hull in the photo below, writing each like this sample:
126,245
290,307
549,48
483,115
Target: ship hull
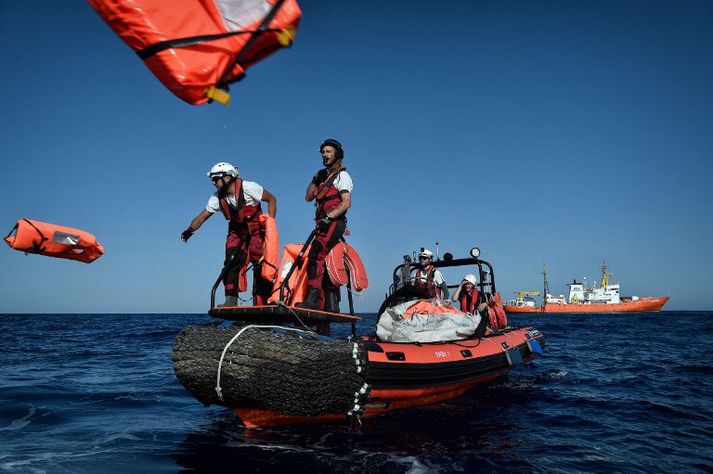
638,306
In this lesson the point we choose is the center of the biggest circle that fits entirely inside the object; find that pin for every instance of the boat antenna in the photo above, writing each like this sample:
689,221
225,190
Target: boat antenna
437,255
546,286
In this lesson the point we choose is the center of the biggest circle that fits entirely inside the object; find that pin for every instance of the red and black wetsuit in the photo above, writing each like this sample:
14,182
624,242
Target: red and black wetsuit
242,222
327,198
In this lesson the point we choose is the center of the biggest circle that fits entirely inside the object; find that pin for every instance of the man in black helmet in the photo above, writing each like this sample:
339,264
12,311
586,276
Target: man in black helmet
331,189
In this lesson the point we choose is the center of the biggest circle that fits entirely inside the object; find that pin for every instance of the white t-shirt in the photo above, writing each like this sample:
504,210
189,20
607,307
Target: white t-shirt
252,192
423,276
343,182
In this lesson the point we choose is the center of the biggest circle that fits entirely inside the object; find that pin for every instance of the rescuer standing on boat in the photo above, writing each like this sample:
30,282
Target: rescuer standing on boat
429,278
331,189
239,201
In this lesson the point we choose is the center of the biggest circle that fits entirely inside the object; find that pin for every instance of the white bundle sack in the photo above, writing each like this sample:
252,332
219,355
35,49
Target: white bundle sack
435,322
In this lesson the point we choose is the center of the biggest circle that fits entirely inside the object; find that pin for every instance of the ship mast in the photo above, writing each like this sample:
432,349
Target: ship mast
605,274
546,286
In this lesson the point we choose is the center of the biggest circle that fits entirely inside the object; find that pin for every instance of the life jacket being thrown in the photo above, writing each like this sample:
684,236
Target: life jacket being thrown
53,240
327,196
192,46
469,303
426,282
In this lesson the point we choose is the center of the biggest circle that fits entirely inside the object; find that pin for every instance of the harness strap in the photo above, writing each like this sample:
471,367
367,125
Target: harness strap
156,48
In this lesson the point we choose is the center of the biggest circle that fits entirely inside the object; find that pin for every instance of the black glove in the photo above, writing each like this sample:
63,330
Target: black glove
320,177
186,234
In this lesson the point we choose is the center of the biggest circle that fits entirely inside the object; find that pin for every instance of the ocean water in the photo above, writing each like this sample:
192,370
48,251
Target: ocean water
622,393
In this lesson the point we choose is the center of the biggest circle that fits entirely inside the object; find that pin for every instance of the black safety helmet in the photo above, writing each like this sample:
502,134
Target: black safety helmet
335,144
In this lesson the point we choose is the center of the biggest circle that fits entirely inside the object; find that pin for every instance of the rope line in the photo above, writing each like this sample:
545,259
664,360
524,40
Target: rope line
218,390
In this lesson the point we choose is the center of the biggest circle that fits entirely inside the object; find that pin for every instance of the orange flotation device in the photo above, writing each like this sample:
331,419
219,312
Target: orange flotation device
52,240
296,288
343,257
195,47
428,307
496,312
271,255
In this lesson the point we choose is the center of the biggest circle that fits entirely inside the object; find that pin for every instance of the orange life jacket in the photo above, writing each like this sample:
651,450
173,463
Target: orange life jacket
52,240
296,288
271,255
496,312
193,45
341,258
469,303
327,196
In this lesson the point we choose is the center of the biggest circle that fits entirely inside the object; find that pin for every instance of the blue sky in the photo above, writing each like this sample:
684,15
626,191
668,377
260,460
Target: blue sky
570,132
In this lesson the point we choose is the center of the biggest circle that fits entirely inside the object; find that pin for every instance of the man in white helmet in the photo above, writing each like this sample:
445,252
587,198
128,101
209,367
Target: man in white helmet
429,278
239,201
467,295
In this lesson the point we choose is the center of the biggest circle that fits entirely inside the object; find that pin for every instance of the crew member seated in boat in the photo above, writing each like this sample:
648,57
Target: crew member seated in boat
331,189
429,278
239,201
467,295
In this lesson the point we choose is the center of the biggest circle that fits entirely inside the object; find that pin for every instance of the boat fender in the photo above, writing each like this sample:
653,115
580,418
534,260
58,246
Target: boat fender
534,346
514,357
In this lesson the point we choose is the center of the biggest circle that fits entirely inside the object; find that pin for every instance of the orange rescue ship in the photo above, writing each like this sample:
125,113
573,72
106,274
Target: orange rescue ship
583,299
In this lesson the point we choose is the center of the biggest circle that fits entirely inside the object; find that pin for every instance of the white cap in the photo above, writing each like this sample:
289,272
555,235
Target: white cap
470,278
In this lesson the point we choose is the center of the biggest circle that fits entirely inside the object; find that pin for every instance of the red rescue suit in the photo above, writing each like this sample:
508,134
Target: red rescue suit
243,222
327,198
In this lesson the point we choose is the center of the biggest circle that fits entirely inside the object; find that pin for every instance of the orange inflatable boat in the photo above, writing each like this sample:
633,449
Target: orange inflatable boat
53,240
272,369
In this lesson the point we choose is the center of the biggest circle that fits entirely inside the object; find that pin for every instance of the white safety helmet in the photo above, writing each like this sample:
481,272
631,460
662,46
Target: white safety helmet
223,169
470,278
426,253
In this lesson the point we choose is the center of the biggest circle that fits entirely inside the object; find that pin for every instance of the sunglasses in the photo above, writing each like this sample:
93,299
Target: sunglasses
424,258
216,179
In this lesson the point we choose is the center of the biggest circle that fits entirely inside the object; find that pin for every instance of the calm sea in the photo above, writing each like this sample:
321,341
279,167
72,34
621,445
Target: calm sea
624,393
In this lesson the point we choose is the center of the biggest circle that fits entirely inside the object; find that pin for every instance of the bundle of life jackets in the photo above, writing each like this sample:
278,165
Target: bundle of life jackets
425,321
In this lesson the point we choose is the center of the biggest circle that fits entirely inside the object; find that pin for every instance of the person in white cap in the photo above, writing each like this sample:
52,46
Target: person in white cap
429,278
467,295
239,201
